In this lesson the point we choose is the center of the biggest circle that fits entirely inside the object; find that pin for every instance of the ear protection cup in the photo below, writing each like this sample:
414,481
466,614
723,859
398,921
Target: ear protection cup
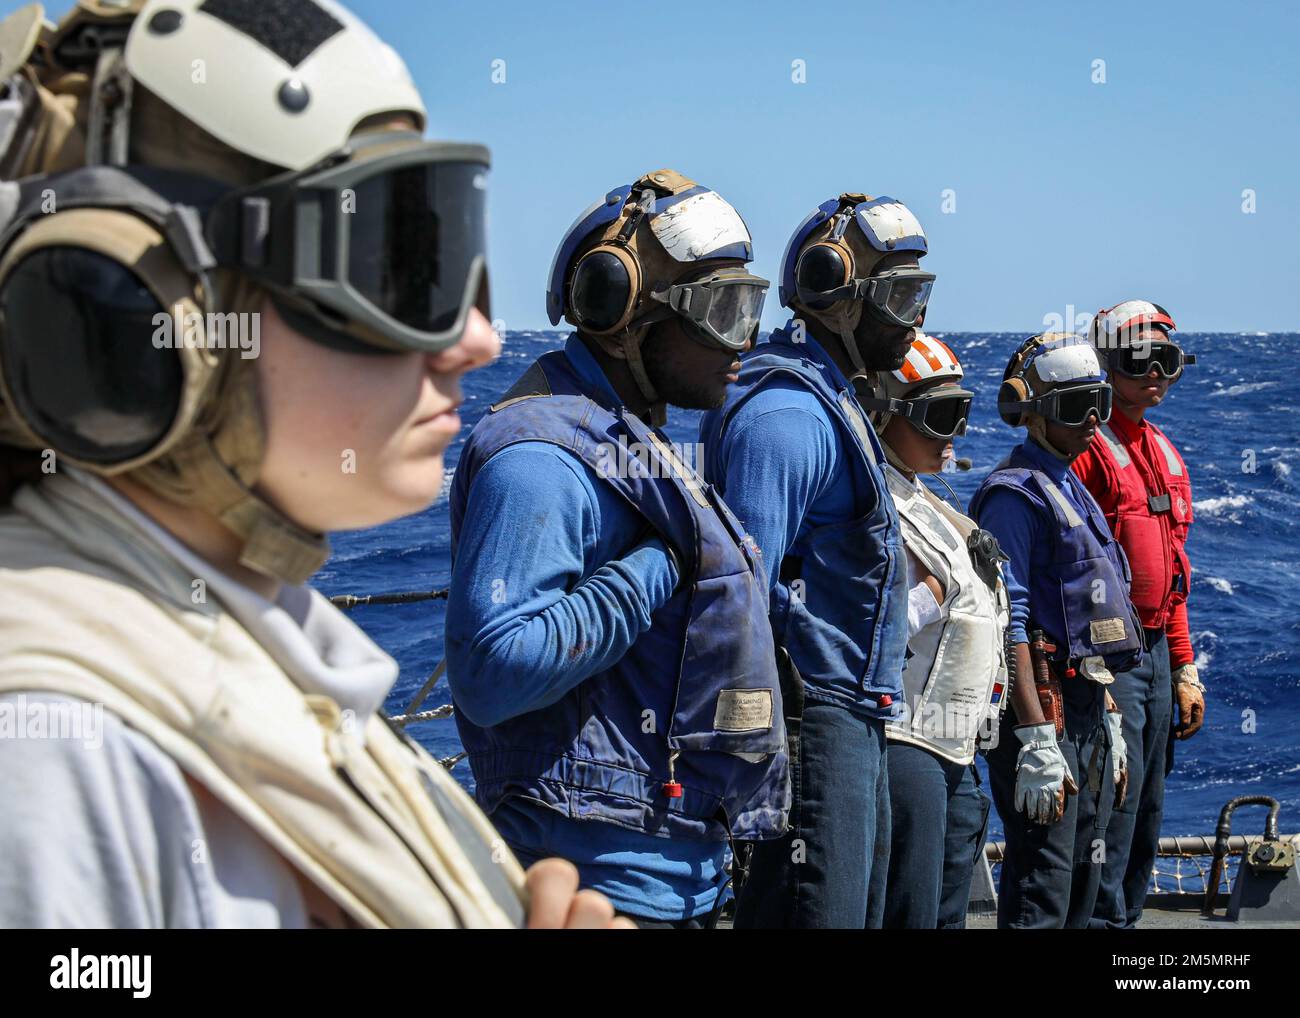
820,268
602,295
1013,390
94,363
79,367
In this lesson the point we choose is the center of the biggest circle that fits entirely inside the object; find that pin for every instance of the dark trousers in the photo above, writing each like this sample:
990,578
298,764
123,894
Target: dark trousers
829,870
1051,873
1133,838
939,817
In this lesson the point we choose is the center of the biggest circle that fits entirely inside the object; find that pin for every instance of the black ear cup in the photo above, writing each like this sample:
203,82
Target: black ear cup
79,357
821,268
601,291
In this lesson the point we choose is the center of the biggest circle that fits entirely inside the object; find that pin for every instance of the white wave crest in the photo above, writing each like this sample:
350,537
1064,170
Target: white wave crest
1243,388
1216,506
1220,584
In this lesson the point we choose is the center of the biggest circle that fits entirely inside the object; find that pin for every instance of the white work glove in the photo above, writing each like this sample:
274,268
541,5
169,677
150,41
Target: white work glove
1118,754
1042,778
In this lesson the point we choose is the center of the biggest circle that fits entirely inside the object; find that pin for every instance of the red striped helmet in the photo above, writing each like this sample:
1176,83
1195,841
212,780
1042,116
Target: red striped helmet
928,361
1115,327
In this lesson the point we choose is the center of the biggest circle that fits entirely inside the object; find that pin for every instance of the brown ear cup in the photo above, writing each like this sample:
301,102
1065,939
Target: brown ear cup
1013,390
109,270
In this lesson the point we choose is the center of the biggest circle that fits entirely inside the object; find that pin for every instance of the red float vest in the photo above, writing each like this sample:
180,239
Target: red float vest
1141,483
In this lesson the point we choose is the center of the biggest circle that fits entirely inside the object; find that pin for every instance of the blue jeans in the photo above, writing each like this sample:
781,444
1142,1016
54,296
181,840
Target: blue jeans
1145,695
829,870
1051,873
939,817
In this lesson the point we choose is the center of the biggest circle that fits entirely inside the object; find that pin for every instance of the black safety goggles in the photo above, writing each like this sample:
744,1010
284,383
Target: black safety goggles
386,241
1073,406
1166,359
941,413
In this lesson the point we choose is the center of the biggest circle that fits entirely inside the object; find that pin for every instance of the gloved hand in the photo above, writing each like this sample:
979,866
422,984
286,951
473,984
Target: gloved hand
1042,778
1118,751
1189,695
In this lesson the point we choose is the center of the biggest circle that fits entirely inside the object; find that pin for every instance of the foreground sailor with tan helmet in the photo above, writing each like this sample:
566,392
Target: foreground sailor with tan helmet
222,760
608,645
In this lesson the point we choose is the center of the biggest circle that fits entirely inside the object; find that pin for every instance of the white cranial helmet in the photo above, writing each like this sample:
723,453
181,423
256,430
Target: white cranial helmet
310,68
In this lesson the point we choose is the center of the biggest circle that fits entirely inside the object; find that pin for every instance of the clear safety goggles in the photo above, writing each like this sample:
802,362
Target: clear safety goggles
724,307
1071,406
940,413
386,241
899,296
1166,359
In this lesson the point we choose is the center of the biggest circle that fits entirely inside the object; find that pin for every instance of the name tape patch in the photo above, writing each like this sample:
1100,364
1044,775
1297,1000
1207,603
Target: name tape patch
1107,630
743,710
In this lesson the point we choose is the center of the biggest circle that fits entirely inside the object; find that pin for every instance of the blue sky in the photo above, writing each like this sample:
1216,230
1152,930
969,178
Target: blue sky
1067,192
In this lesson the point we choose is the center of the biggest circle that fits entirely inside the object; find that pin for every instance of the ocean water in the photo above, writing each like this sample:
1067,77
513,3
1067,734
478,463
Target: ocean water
1235,417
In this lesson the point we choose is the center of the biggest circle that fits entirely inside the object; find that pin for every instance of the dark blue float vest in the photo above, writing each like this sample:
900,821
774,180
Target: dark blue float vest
841,607
1081,601
700,686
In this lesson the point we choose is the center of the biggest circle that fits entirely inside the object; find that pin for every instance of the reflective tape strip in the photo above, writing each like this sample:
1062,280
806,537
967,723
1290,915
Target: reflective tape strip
684,473
1116,446
952,357
1072,518
928,356
1171,457
859,425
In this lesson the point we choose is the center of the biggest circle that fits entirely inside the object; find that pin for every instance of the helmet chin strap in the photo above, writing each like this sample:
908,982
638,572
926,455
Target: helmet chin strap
895,459
214,468
1037,425
842,318
630,346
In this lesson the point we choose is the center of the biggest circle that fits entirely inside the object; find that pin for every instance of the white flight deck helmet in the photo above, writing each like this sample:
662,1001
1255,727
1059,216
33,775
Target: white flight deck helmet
924,390
226,94
624,264
826,271
1053,376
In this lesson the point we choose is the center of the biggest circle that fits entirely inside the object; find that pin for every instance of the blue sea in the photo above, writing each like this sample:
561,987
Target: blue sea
1235,416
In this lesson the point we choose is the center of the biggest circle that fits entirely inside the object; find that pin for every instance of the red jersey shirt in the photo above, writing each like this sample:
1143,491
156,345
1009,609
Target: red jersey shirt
1141,483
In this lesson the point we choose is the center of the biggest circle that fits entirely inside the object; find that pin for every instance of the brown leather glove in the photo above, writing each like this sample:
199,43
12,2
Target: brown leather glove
1189,695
